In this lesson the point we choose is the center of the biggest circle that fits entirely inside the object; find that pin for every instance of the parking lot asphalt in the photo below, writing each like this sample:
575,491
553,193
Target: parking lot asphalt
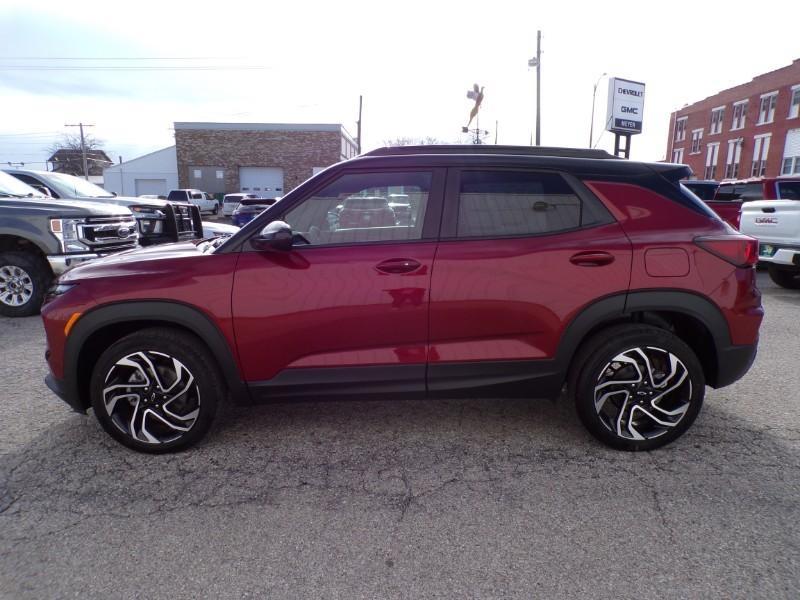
479,498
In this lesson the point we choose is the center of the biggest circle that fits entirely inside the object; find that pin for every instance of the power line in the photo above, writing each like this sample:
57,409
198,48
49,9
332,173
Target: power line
121,57
138,68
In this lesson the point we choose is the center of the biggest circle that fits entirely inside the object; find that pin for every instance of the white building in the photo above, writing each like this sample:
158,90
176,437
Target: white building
154,173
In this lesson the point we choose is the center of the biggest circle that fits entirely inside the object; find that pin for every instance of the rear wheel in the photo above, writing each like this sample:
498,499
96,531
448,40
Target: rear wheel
23,282
637,387
156,391
788,278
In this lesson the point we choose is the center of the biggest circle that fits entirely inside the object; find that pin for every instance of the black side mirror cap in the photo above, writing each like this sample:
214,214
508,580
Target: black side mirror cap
275,236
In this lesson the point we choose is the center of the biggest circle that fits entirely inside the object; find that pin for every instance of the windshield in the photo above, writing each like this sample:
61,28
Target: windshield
69,186
11,186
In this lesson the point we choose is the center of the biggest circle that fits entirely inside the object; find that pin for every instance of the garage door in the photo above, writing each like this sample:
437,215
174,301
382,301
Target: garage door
266,181
157,187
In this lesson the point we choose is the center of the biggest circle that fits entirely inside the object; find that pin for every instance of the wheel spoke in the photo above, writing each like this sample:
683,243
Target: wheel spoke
636,400
140,403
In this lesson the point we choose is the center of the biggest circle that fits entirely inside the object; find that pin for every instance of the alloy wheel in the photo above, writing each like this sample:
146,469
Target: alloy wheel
151,397
642,393
16,286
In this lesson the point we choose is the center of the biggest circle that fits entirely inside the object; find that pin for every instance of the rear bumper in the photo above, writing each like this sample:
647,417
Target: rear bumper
59,389
733,363
783,256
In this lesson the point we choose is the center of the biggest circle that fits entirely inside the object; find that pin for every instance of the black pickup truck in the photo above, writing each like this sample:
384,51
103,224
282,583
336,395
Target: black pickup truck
158,221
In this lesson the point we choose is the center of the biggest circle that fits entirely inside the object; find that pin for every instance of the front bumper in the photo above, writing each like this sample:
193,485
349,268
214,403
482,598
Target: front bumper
59,389
61,262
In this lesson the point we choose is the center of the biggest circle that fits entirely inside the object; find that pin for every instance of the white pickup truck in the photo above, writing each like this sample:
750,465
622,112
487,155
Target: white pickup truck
775,222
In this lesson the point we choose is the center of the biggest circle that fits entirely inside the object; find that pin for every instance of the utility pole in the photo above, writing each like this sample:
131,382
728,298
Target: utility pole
83,148
538,88
536,61
358,141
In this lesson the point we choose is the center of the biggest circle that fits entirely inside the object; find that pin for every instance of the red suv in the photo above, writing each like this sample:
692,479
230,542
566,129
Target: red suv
519,271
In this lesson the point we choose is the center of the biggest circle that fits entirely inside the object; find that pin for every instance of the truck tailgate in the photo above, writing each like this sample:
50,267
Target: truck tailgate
775,221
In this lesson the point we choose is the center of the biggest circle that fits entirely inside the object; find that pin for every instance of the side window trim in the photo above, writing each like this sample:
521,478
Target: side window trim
589,203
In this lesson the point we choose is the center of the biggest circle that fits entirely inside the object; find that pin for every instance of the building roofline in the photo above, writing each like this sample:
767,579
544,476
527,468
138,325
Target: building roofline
133,160
753,80
189,125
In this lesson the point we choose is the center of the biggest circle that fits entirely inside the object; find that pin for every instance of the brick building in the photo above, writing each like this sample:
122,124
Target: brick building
266,158
751,130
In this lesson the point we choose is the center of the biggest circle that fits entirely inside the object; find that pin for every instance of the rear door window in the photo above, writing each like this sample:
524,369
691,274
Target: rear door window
516,203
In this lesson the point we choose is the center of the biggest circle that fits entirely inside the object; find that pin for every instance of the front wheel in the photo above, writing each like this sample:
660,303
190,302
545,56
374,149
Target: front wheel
788,278
23,282
637,387
156,390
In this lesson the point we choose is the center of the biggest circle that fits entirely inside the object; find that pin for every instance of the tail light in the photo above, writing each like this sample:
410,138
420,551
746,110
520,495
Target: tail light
738,249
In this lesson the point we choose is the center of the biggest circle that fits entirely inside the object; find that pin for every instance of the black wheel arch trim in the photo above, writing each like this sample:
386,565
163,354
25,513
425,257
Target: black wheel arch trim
620,307
180,314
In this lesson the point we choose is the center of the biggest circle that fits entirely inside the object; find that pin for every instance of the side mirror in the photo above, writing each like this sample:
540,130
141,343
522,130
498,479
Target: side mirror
275,236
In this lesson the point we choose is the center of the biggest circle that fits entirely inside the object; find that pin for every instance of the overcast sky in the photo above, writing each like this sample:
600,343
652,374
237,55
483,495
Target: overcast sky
412,61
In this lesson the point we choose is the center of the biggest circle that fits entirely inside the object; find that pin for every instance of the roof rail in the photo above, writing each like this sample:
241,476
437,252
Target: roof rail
490,149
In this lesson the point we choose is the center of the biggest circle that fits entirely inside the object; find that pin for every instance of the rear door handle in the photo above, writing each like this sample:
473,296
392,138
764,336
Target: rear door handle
396,266
591,259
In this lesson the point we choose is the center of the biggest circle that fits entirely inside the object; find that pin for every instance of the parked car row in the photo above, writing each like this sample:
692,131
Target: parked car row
50,222
767,209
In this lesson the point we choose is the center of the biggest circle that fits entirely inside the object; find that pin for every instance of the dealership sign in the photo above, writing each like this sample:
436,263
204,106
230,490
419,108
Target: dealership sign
625,106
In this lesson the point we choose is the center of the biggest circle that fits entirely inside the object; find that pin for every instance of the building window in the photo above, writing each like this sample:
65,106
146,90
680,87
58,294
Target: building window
680,129
794,104
712,156
766,110
220,174
677,155
196,173
697,135
717,115
791,165
734,156
760,152
791,153
739,115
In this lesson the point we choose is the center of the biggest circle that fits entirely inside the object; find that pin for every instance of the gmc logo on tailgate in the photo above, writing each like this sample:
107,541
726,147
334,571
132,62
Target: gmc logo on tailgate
766,220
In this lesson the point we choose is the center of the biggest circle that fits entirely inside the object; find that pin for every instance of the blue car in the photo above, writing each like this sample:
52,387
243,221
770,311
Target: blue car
249,209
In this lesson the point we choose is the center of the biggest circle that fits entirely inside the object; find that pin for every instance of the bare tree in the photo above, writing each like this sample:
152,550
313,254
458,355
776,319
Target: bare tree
414,141
65,154
72,141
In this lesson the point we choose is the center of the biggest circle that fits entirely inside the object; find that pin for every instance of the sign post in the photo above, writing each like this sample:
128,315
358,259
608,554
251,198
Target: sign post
625,112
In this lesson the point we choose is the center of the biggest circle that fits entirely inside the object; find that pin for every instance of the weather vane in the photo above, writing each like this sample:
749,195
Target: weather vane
476,94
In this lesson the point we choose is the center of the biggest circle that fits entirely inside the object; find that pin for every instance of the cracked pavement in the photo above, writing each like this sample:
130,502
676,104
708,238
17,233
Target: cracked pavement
479,498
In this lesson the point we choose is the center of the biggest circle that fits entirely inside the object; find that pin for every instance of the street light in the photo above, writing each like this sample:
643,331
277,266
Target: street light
594,97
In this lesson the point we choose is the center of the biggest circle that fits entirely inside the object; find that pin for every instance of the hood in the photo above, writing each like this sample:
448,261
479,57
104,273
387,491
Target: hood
142,261
62,208
128,201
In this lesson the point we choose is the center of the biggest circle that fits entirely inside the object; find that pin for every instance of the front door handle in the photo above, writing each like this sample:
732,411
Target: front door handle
397,266
591,259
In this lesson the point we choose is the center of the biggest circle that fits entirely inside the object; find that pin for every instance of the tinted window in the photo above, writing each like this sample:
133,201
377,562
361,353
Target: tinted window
197,196
355,209
177,195
504,203
789,190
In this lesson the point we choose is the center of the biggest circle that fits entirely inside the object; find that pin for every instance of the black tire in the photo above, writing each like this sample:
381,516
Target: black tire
215,210
203,393
788,278
35,281
596,367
